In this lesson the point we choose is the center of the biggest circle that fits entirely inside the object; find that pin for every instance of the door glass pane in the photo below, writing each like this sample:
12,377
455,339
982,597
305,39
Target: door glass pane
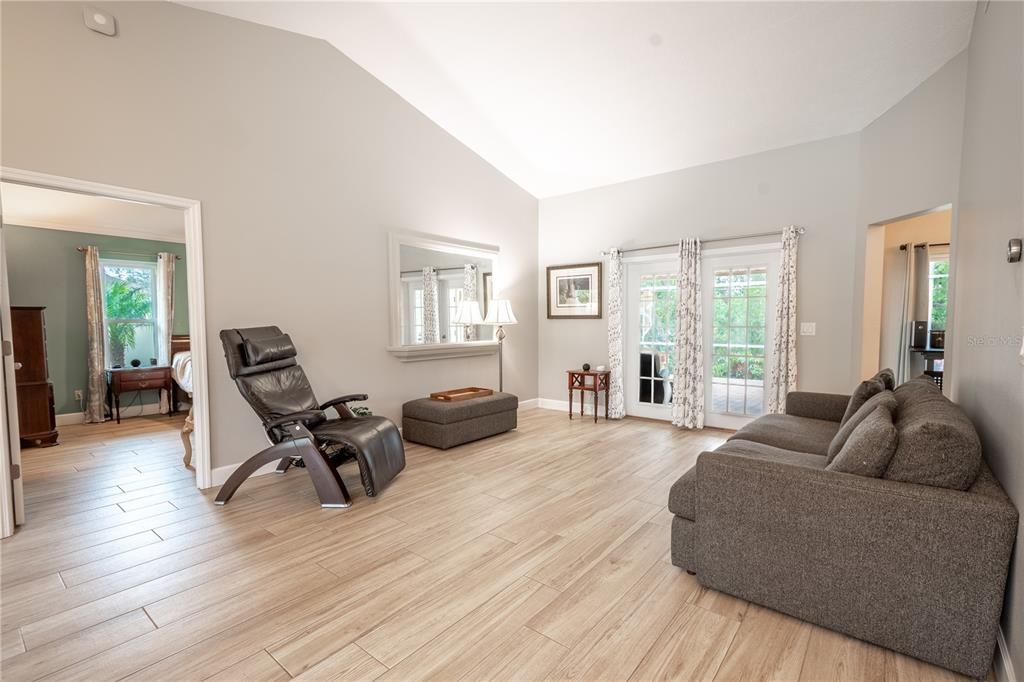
657,333
738,340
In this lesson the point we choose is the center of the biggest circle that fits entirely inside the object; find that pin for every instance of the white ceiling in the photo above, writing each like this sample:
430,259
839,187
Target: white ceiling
59,210
566,96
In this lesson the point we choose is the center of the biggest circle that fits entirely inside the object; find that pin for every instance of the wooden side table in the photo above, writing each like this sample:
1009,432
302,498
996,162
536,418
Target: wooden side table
139,379
599,381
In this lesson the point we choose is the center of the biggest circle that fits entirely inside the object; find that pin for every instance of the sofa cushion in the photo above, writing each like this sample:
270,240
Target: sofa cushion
886,398
869,449
861,394
790,432
938,444
682,498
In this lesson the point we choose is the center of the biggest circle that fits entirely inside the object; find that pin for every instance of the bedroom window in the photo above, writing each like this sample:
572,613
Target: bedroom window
129,295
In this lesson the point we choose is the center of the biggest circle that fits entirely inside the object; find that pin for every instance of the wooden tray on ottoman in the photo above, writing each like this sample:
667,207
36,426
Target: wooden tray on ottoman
461,394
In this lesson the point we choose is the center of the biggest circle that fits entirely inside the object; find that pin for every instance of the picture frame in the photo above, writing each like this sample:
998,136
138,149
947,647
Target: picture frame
574,292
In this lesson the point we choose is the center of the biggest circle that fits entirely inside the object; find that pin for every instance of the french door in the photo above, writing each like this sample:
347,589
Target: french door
739,290
650,296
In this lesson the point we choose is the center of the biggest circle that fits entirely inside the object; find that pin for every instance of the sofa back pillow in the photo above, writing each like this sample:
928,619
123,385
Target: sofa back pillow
861,394
888,378
886,398
938,444
870,447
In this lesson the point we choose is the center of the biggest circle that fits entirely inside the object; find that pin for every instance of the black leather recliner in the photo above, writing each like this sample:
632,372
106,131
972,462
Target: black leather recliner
262,362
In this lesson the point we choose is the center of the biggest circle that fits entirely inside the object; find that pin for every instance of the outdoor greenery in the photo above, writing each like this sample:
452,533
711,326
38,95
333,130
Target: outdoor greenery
939,278
739,324
128,296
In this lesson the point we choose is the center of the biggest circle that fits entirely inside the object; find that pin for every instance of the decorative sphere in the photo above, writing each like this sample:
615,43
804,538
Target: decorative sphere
136,362
586,366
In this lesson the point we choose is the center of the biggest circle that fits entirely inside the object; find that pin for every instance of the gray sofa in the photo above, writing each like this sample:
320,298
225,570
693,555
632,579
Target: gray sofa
916,568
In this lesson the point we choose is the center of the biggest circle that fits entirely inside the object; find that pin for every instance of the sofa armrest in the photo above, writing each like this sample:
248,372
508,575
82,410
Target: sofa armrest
873,558
828,406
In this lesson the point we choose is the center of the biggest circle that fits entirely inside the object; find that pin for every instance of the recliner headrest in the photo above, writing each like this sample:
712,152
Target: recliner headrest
234,342
260,351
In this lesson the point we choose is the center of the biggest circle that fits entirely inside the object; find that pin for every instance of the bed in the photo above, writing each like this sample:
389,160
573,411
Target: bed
181,371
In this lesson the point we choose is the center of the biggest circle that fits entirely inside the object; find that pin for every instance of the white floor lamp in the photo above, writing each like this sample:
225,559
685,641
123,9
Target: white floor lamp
499,312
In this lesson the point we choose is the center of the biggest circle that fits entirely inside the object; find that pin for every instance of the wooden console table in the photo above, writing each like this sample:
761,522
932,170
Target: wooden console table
599,381
151,378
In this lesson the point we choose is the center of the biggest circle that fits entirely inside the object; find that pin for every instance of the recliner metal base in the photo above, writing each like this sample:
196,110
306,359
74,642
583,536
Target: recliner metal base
328,484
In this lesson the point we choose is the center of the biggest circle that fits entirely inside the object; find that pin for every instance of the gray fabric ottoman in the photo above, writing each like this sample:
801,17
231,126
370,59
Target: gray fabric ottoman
444,425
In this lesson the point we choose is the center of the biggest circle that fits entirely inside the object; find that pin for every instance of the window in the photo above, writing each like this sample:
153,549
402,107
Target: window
938,289
456,332
738,340
129,295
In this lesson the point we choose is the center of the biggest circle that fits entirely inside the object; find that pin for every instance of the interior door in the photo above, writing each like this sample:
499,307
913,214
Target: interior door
650,298
739,290
12,502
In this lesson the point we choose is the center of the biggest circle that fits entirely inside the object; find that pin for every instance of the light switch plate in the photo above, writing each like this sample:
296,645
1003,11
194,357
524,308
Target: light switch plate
808,328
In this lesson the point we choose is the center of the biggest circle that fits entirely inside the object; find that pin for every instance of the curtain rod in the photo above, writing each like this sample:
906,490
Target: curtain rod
81,249
773,233
903,247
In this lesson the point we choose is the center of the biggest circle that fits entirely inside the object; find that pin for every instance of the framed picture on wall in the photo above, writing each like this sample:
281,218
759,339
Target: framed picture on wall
574,291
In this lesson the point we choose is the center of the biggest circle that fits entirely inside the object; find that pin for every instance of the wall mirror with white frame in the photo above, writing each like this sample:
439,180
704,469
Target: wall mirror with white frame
439,291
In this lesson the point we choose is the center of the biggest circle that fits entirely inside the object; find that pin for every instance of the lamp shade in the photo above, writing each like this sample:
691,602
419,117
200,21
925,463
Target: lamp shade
468,313
500,312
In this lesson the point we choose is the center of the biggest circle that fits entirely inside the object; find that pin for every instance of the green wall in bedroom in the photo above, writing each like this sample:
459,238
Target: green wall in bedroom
43,268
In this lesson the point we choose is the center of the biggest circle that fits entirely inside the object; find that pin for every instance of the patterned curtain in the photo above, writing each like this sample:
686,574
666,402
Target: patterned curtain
616,400
431,324
783,376
97,382
164,314
688,374
469,284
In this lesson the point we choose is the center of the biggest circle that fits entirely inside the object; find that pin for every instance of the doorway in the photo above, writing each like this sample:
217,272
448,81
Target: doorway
188,215
907,307
739,289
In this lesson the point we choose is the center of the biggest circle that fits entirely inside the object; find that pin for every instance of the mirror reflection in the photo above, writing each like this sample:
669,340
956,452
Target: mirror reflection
443,296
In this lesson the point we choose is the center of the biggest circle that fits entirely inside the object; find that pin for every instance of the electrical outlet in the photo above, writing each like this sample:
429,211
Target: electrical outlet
808,329
78,395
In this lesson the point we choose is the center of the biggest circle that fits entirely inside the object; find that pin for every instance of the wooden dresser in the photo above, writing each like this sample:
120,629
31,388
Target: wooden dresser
37,422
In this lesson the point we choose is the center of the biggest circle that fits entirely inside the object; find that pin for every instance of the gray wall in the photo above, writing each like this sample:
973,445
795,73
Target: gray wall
814,185
910,162
45,269
990,291
303,163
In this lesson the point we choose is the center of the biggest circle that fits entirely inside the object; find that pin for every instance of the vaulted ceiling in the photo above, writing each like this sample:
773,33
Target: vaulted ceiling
567,96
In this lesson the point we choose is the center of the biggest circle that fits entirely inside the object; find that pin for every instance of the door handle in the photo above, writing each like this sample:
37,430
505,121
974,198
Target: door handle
18,366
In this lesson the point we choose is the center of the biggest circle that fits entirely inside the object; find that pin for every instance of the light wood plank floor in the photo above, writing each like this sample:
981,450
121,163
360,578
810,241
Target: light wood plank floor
539,554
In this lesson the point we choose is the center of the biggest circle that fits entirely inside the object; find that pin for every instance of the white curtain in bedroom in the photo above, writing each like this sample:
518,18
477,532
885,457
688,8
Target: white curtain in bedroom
431,322
164,315
469,287
688,373
616,398
783,376
97,379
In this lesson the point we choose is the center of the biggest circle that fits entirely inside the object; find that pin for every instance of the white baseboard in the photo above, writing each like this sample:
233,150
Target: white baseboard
563,406
220,474
133,411
1003,664
531,404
